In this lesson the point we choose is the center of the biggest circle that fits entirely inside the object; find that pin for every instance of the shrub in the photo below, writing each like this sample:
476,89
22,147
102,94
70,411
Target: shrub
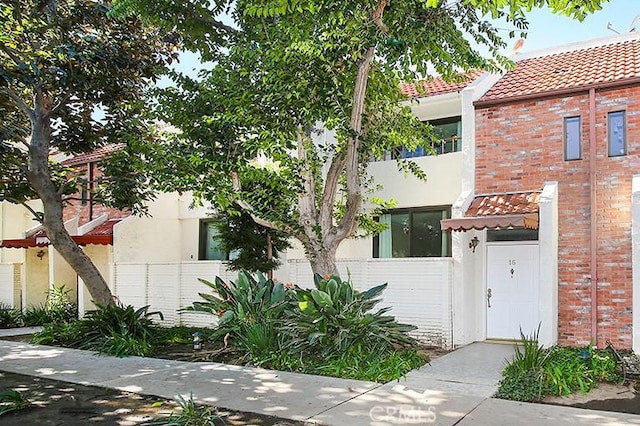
115,319
67,334
36,315
243,303
10,317
332,329
334,317
536,372
59,304
114,329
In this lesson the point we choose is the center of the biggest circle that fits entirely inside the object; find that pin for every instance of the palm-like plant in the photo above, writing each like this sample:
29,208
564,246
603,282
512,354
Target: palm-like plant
334,317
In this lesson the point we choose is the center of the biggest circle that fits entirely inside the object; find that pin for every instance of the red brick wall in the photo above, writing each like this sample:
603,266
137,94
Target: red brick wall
520,146
75,208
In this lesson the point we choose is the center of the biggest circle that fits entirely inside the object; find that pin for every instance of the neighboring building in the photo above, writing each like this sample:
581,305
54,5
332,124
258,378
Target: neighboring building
557,161
39,266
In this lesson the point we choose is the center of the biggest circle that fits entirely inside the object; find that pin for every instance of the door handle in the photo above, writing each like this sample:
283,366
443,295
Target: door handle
489,297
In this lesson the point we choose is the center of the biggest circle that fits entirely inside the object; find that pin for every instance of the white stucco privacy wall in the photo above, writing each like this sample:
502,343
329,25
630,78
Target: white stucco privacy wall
6,284
548,268
418,291
635,237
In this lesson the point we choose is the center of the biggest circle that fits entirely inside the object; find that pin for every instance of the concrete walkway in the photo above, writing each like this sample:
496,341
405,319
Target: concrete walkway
454,389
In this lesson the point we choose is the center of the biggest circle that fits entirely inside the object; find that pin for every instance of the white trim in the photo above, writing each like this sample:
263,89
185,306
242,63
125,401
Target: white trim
635,256
90,226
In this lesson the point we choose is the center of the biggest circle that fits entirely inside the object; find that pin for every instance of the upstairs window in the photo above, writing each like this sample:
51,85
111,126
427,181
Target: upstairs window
413,233
617,132
449,134
572,138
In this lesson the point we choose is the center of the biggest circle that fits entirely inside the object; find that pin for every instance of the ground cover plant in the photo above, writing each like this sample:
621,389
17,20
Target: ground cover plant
537,372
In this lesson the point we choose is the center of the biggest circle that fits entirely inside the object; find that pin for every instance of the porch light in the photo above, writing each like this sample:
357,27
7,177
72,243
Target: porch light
40,254
474,243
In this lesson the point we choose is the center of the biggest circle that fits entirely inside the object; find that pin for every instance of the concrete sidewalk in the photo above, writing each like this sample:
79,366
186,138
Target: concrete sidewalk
454,389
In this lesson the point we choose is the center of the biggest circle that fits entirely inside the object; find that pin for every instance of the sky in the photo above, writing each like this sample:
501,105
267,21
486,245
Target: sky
545,30
549,30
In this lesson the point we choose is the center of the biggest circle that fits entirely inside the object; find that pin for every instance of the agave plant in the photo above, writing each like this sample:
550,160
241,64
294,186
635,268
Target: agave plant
334,317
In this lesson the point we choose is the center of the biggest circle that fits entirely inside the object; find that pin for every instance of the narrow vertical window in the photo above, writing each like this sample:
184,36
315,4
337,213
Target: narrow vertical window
617,131
572,138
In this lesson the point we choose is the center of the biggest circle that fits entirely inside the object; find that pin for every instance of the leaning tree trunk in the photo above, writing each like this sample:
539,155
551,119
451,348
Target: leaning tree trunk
40,178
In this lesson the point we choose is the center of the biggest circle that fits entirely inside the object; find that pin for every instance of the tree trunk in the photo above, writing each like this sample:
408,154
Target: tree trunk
324,262
40,178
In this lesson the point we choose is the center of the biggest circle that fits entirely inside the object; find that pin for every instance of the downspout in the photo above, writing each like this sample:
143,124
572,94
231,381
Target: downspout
593,231
90,195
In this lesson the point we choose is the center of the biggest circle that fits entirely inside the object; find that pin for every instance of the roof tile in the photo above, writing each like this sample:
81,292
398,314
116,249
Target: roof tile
616,61
438,86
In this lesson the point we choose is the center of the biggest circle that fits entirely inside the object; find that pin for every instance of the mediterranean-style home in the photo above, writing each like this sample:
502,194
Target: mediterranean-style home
530,216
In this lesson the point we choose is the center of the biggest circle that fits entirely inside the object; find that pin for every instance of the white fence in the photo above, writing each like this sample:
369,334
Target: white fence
7,284
419,290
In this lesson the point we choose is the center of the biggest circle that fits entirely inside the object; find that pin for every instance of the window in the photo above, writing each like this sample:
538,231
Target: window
617,133
512,234
413,233
210,243
572,138
449,134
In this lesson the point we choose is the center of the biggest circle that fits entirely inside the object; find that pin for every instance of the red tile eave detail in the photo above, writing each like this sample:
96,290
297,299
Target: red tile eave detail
100,235
102,240
438,86
498,211
504,204
21,243
619,84
93,156
81,240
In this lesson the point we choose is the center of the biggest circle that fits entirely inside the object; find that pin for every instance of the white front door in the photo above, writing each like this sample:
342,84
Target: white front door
512,290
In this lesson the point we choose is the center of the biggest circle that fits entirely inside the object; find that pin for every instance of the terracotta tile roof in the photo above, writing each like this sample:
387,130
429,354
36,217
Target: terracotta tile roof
100,235
501,204
93,156
437,86
606,63
498,211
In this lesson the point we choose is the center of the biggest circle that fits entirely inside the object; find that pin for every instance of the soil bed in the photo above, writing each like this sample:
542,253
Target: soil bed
605,397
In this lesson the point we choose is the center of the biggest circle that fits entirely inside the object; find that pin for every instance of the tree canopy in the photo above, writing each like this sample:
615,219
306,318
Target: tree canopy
254,128
306,93
72,79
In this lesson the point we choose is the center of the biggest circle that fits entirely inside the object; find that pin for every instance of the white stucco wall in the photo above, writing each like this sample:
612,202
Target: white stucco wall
548,265
14,221
155,238
635,237
35,278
